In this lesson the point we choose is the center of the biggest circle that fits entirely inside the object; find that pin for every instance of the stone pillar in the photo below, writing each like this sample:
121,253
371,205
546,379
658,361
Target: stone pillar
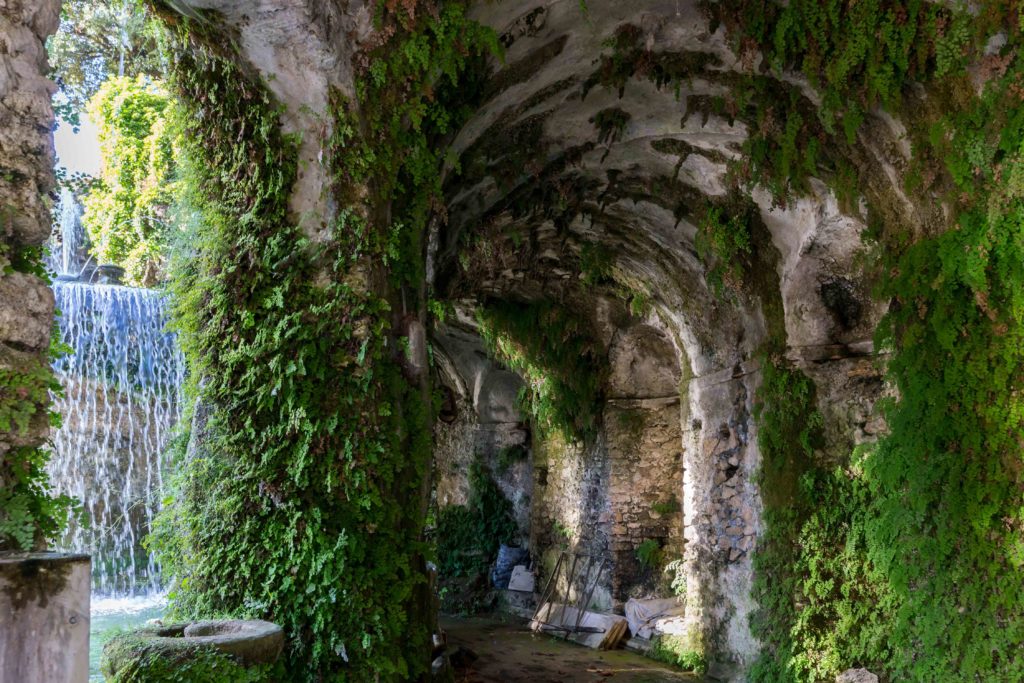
26,119
44,617
26,183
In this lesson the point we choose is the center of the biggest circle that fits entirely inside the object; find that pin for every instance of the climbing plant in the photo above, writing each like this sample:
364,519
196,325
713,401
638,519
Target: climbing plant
725,242
303,501
925,582
557,355
30,514
468,536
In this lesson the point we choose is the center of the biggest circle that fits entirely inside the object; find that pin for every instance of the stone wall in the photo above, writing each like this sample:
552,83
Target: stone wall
480,423
571,506
645,490
604,498
26,198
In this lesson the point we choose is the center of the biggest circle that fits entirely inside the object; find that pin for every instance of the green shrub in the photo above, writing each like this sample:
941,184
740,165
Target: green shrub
648,553
127,209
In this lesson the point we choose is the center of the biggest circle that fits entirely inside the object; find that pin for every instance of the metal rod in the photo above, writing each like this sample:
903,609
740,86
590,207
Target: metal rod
593,586
568,589
545,595
580,608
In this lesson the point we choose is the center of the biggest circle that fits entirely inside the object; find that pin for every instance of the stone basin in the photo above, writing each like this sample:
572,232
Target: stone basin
250,642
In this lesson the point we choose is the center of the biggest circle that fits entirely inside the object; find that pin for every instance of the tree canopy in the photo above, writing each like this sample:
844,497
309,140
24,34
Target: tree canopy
97,40
126,210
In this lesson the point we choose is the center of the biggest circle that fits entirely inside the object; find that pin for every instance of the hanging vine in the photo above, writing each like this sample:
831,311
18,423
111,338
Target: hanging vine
304,502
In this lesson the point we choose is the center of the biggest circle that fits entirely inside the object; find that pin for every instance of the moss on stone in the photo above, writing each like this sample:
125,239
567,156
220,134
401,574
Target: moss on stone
159,654
684,651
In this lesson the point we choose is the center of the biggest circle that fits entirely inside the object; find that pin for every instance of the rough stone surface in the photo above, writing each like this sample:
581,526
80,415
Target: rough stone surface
485,423
44,617
25,326
26,145
252,641
26,185
303,49
856,676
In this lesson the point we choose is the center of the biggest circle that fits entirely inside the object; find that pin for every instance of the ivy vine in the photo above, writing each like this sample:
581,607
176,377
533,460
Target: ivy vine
304,501
909,561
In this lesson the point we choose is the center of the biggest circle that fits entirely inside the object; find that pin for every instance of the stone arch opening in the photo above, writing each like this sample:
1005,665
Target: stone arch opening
594,175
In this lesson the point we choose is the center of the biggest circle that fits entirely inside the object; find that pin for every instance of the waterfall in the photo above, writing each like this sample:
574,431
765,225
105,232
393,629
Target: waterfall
67,247
122,383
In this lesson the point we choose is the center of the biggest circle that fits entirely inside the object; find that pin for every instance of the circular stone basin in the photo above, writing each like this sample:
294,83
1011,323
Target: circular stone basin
250,642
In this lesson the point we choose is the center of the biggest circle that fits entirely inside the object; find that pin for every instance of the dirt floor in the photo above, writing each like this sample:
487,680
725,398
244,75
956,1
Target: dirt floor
508,652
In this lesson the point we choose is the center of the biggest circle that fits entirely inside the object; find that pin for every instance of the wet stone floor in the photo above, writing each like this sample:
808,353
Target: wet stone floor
508,652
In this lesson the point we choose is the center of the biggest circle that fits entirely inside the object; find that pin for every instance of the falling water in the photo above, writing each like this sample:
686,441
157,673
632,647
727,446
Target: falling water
67,249
121,399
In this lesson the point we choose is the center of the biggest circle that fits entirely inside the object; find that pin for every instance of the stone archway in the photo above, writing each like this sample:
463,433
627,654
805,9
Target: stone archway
589,172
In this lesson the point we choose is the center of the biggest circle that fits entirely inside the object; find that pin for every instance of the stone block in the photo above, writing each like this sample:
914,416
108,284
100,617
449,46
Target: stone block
26,311
856,676
44,614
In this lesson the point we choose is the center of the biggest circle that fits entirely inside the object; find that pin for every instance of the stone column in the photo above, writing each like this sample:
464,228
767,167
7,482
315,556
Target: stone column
26,185
44,597
44,617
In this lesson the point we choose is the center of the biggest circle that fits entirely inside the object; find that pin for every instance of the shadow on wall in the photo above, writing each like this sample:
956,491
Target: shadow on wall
616,497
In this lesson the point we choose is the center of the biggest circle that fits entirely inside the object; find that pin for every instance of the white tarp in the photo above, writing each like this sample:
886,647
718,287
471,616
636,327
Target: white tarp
646,617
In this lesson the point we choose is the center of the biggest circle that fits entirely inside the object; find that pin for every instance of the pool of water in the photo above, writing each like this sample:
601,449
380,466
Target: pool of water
110,615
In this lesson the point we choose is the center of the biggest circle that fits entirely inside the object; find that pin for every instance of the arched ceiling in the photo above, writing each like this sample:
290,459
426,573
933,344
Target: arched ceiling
603,127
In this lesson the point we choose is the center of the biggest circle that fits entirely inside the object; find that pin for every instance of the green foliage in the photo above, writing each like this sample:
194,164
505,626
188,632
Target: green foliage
639,301
138,660
610,124
926,584
558,357
417,90
823,608
667,507
679,651
96,41
22,393
725,244
597,264
468,536
675,571
304,503
788,428
629,57
30,515
947,480
648,553
561,534
126,209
